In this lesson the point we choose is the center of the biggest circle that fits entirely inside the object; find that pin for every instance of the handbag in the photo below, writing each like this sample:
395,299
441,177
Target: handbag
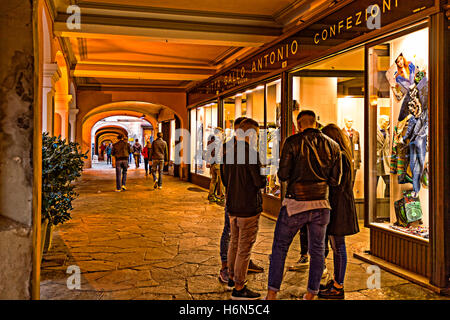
413,208
399,207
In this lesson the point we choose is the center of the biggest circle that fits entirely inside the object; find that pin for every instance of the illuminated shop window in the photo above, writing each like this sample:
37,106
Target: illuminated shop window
398,88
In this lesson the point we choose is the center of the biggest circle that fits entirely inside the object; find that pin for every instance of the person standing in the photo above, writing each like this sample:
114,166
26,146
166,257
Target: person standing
137,149
146,155
243,182
121,150
108,151
216,192
225,237
102,151
343,217
353,135
159,157
310,162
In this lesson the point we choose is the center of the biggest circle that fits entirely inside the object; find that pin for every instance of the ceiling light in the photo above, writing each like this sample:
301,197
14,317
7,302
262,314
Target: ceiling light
259,88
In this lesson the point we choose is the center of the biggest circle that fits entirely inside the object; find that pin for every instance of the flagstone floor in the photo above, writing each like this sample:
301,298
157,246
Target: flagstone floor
164,244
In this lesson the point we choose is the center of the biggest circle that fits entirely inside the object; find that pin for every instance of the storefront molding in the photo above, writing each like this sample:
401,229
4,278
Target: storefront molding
401,272
407,252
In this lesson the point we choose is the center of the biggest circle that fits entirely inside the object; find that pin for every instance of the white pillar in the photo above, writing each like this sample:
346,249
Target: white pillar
73,122
62,108
51,74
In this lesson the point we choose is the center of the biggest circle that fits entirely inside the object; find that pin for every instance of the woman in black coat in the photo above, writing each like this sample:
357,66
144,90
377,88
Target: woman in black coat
343,218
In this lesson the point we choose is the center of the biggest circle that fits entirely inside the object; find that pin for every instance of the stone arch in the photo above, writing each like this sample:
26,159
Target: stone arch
134,109
108,132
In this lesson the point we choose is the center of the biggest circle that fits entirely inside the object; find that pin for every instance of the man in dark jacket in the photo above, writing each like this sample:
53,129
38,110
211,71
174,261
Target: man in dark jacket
225,237
310,162
137,149
159,157
120,151
243,181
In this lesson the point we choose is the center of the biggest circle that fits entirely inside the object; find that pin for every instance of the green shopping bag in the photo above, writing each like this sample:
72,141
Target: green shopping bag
413,209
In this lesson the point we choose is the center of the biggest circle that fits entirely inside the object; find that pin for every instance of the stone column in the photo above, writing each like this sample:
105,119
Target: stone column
18,104
73,121
51,74
62,108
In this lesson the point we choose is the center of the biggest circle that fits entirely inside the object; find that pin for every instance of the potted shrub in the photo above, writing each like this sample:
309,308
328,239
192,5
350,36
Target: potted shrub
62,163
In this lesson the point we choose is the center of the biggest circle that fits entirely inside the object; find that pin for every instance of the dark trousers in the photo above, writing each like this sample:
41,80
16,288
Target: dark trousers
121,172
285,230
225,238
304,242
108,159
137,160
146,166
158,165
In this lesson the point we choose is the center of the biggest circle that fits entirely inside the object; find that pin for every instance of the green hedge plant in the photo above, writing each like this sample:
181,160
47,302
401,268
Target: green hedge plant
62,163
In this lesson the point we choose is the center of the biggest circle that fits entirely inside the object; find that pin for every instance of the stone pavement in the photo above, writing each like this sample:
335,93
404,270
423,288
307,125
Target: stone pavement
164,244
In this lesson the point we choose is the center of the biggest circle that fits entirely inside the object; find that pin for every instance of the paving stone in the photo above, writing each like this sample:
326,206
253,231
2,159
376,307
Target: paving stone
164,244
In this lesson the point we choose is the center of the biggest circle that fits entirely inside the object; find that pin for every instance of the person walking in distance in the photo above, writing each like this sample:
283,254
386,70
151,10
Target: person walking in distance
159,157
121,150
343,217
241,175
137,149
310,163
108,151
225,237
146,155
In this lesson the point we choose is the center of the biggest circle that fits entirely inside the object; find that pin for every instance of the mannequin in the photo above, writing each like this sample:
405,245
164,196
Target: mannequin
354,140
383,153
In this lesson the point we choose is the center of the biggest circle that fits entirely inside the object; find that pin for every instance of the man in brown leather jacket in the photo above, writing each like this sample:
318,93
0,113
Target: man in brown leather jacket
310,162
159,157
120,150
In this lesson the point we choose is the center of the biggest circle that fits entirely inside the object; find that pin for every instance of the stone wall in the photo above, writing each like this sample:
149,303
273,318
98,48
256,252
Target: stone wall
16,148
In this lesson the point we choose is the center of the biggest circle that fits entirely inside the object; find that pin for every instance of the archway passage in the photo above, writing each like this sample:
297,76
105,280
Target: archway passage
105,132
146,113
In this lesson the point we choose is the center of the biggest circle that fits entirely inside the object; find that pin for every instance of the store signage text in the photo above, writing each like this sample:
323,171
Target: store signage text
367,17
239,75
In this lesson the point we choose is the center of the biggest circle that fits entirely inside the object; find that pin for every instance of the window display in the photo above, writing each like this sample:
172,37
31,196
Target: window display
273,101
263,104
334,89
399,91
203,123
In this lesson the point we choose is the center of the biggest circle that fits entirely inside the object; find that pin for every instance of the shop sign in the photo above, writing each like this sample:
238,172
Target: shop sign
346,23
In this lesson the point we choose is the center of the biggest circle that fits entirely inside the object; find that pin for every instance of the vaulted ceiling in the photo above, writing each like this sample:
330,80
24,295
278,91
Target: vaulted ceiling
167,44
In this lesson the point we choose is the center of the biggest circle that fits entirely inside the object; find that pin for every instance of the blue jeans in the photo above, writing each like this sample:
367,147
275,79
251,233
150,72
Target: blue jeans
339,258
418,149
225,238
121,172
158,165
285,230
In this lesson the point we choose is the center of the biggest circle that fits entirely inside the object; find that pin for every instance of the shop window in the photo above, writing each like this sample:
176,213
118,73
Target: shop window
334,89
398,93
273,116
263,104
193,142
249,103
172,140
203,123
